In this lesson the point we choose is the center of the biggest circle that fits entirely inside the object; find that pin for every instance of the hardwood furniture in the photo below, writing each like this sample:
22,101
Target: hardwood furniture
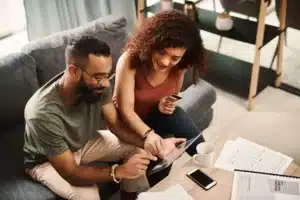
292,21
237,76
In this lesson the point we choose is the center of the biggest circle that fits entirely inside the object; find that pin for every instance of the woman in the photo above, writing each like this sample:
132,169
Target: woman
150,70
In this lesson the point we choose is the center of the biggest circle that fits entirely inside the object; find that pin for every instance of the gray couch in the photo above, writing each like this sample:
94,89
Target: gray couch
22,73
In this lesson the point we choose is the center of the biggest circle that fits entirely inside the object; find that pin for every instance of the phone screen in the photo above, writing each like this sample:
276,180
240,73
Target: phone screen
201,178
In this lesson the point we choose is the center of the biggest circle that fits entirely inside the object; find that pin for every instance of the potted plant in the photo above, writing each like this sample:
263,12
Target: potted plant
224,21
166,4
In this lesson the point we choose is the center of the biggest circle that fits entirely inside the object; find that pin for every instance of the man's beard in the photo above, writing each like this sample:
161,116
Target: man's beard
87,94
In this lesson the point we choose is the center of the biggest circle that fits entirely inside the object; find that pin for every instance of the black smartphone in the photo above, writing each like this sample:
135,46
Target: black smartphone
202,179
175,97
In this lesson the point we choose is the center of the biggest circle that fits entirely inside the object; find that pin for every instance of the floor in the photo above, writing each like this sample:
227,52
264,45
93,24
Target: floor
273,123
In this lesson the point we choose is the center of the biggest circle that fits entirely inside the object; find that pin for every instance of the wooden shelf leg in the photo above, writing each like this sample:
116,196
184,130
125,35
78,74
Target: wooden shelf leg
259,42
281,42
141,17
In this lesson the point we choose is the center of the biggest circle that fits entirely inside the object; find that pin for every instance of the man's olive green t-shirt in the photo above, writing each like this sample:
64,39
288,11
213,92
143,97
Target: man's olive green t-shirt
52,127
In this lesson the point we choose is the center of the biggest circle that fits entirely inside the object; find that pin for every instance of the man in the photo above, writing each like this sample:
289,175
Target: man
62,119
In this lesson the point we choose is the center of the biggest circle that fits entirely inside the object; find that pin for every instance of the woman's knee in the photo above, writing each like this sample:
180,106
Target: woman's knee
181,115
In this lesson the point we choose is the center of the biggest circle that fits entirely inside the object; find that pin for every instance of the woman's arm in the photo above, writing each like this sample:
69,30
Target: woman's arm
124,93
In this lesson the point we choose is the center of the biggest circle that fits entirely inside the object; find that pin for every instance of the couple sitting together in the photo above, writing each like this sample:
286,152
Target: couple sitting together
64,116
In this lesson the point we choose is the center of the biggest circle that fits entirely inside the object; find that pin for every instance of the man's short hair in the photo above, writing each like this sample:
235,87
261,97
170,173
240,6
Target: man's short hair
79,48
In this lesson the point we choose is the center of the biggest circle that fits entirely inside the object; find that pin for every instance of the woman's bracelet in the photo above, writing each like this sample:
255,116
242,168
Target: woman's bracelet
147,133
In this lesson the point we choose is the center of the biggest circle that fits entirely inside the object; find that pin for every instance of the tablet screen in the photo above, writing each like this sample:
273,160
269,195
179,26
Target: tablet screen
173,155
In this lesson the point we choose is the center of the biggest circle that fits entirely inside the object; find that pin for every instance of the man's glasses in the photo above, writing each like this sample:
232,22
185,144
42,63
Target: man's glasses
100,79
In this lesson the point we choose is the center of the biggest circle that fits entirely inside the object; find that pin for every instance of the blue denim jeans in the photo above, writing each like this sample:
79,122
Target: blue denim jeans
179,125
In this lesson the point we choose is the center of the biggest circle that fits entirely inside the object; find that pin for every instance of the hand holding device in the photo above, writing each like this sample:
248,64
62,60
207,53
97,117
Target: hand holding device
135,166
170,144
176,97
181,147
154,144
168,104
202,179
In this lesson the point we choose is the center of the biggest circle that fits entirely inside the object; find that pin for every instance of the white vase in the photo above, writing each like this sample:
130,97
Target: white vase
166,4
224,24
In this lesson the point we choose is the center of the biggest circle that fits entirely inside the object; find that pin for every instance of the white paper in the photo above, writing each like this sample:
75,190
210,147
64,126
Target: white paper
252,186
175,192
246,155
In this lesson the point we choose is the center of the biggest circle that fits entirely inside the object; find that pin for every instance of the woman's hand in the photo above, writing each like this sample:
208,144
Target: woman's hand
167,105
170,145
154,144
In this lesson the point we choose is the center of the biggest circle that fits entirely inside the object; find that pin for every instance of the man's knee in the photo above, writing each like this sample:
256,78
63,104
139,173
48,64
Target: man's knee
138,185
84,193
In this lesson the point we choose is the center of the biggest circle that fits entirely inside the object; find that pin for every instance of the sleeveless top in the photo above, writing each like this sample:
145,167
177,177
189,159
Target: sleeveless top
148,96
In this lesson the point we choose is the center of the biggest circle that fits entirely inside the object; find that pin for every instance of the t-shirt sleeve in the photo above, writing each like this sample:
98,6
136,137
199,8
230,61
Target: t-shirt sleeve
106,96
48,137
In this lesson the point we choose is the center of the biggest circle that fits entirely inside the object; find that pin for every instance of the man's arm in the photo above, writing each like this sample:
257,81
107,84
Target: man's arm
78,175
118,127
53,145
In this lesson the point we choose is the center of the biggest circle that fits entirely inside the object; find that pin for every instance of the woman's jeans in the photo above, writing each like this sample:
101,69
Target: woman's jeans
179,125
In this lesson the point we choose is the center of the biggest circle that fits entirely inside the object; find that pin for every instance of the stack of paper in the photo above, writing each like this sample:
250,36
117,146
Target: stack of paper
245,155
256,185
175,192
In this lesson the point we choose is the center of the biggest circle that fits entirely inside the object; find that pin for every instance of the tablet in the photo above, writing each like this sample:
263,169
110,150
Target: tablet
172,156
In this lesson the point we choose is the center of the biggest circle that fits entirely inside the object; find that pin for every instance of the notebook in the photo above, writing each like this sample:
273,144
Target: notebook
250,185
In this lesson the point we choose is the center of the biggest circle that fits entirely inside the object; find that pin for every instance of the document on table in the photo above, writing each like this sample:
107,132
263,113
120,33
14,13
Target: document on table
175,192
245,155
259,186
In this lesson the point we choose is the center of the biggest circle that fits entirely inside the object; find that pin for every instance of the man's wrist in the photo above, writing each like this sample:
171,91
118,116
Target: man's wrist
113,173
119,172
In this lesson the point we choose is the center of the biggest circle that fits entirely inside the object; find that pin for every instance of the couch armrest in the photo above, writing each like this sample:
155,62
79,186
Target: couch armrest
197,99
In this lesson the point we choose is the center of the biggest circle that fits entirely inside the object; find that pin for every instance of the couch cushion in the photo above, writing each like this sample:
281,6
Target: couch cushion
198,99
11,148
25,189
18,82
49,52
14,183
188,79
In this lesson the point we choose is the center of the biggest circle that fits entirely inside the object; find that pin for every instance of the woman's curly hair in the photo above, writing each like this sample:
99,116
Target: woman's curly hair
169,29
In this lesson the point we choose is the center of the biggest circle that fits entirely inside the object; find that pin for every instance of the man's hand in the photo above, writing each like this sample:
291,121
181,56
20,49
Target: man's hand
154,144
170,144
167,105
135,166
